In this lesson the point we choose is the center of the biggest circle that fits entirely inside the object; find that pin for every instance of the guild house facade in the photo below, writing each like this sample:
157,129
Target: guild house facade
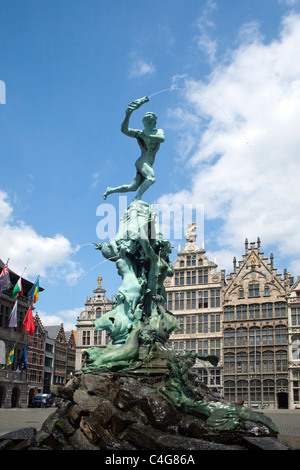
87,336
194,295
255,332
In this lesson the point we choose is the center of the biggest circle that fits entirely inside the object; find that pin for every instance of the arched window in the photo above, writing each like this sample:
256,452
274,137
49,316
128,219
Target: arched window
267,335
229,313
242,363
280,309
241,337
267,310
229,363
242,391
98,312
281,361
255,391
280,334
255,362
229,335
268,361
254,311
241,312
268,391
229,391
254,336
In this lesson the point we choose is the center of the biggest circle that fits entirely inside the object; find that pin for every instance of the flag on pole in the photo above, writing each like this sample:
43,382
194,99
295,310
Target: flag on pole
29,322
10,357
4,279
34,293
22,364
12,321
18,289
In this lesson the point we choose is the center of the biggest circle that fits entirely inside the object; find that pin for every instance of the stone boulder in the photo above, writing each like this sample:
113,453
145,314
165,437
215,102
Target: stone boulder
114,411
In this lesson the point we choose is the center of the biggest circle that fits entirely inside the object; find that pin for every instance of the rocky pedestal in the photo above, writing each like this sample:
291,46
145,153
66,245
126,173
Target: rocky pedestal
114,411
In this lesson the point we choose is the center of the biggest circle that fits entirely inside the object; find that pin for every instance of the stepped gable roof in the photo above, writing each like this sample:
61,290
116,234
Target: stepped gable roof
54,330
38,322
69,334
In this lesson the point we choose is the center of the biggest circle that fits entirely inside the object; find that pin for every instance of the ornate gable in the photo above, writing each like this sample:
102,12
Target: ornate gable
254,276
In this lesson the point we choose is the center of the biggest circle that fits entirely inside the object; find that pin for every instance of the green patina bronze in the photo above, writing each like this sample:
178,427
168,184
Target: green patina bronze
149,141
139,324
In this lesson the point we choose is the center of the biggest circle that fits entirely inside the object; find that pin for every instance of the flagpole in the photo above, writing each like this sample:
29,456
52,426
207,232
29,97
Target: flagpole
23,272
32,299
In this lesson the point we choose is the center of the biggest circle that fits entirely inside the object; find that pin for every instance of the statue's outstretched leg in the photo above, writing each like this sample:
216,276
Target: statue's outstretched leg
125,188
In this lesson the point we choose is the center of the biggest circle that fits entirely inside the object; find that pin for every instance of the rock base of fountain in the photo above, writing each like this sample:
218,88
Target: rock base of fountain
115,411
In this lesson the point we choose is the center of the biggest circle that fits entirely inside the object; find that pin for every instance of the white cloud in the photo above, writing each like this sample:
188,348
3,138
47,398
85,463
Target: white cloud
204,41
250,32
44,256
246,159
140,68
67,317
289,3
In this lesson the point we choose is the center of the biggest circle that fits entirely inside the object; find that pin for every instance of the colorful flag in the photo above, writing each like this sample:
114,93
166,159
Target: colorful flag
23,361
34,293
29,322
18,289
12,321
4,279
10,358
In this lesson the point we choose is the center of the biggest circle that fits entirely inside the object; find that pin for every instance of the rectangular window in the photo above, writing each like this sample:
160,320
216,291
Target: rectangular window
267,310
215,324
203,346
203,276
254,311
295,316
253,290
97,337
86,337
241,312
280,309
179,301
215,298
170,301
229,313
188,300
203,298
188,324
181,325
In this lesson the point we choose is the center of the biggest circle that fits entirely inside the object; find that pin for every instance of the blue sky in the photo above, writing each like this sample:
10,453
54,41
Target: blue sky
231,115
